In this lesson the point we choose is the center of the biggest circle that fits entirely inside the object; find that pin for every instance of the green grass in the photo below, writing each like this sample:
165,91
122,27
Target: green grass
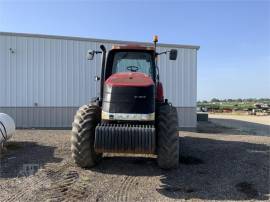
228,105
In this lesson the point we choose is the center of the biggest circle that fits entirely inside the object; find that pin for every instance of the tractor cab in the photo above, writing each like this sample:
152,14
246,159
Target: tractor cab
131,58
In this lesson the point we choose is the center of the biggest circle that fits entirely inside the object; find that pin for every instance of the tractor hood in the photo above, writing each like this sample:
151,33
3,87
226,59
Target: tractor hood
129,93
135,79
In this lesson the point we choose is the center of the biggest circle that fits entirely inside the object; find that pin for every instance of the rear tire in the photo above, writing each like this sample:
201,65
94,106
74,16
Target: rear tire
168,139
83,136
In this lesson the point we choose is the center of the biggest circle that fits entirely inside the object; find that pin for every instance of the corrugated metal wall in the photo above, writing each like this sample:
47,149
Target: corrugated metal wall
41,72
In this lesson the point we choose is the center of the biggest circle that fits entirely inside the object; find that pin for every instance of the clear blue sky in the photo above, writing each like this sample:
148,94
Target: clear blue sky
234,59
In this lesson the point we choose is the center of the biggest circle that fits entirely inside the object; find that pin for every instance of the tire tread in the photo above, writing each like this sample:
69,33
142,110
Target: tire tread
83,135
168,139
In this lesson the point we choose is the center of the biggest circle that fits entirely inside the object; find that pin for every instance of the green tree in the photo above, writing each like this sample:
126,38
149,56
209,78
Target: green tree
215,100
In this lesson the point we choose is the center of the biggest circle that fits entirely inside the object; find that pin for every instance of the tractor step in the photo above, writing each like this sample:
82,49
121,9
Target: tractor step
125,138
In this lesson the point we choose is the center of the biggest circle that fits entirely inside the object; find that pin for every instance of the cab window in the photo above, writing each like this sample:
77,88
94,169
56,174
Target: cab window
132,62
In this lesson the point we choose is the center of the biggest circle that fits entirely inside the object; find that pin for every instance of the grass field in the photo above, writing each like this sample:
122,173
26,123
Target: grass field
260,106
228,105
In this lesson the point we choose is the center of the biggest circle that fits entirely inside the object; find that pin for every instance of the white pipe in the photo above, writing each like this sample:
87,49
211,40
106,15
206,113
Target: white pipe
7,127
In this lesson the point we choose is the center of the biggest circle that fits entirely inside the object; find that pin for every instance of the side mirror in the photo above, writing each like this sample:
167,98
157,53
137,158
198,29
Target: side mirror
90,55
173,54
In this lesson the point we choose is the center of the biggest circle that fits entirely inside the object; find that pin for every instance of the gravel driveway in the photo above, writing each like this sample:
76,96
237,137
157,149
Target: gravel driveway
216,163
259,125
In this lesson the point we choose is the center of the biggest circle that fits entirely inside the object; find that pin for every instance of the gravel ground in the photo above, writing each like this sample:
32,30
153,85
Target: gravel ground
216,163
259,125
265,120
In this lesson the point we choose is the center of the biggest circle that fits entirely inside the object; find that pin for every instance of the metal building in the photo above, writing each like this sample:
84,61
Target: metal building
44,79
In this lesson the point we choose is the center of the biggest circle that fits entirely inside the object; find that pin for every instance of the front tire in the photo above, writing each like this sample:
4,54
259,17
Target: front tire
83,136
168,139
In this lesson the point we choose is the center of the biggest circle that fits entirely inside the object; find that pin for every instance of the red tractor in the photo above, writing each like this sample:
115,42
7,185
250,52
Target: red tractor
130,115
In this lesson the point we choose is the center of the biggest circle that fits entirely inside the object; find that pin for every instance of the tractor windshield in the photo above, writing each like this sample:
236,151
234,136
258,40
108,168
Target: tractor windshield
133,62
